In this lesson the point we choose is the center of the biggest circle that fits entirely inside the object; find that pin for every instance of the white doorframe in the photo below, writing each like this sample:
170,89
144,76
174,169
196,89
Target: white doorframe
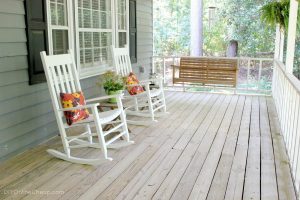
290,53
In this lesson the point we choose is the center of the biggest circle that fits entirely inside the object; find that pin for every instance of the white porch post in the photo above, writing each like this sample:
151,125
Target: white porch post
291,36
196,27
282,38
279,43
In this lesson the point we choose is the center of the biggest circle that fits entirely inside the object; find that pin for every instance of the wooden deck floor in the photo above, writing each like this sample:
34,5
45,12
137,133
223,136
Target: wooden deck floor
210,146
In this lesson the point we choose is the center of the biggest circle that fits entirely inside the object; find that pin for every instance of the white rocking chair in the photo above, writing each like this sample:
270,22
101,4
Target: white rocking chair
151,99
62,76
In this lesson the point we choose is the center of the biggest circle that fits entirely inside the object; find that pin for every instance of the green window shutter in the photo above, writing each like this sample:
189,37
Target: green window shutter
36,23
132,31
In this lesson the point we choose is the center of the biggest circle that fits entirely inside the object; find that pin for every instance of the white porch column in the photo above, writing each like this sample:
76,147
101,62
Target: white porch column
282,38
196,27
279,43
291,36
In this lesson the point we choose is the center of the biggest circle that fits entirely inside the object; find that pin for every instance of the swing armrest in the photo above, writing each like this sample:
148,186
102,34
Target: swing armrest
105,97
80,107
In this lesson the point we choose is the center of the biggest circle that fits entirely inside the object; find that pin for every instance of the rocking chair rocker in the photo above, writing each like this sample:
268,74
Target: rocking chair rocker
150,103
62,77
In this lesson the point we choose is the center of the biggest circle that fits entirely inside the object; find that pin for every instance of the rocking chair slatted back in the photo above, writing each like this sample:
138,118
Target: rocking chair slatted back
122,61
61,74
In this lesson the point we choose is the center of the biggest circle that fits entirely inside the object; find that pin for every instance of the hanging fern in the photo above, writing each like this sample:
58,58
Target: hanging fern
276,13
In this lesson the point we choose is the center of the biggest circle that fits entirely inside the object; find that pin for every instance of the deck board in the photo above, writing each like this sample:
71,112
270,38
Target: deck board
236,179
268,170
210,146
252,179
219,183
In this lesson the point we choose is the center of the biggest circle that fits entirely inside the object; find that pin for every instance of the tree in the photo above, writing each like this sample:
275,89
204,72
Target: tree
237,20
243,24
171,27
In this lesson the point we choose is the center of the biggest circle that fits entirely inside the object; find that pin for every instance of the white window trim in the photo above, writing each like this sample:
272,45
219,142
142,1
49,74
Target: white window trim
69,26
73,35
117,30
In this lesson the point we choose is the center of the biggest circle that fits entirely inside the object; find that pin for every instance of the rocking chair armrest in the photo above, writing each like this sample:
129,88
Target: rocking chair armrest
139,84
104,97
80,107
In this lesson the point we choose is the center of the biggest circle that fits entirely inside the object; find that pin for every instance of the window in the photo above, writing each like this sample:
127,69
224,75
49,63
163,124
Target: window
95,33
121,23
58,29
87,27
97,25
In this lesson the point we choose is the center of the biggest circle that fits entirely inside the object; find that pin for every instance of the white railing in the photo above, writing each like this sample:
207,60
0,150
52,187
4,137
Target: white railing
286,94
254,76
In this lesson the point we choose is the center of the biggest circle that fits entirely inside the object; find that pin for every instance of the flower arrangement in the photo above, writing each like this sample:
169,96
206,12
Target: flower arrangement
111,82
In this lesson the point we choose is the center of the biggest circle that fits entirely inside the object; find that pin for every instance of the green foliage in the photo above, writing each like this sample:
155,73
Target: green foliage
297,52
276,13
243,24
235,20
111,81
214,34
171,27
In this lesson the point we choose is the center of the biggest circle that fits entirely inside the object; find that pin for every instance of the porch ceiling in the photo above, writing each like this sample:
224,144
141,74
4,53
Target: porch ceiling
210,147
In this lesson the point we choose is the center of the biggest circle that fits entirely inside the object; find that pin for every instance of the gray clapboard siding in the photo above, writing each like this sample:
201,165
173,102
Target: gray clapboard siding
12,21
12,77
93,91
90,83
145,43
26,127
145,19
145,5
144,37
20,89
30,137
13,63
14,118
22,102
145,28
13,49
22,143
12,6
12,35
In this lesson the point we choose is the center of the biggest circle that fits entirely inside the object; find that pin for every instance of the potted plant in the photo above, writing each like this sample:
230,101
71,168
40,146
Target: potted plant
112,84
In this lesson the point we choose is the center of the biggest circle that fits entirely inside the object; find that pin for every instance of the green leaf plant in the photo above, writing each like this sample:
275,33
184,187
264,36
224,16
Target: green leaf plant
111,81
